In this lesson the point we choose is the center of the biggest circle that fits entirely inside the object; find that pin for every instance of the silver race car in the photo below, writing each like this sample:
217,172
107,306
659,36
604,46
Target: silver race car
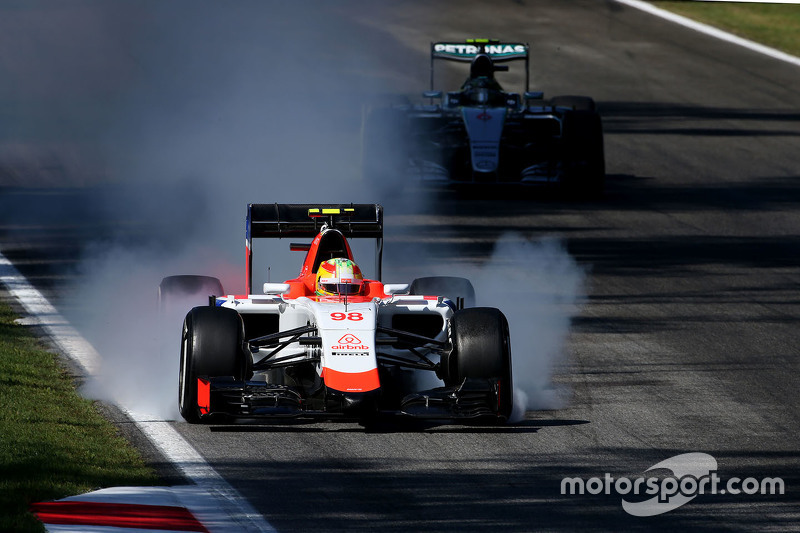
481,134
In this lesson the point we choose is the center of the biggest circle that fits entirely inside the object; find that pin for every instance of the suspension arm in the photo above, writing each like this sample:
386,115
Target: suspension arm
396,334
282,362
422,364
270,339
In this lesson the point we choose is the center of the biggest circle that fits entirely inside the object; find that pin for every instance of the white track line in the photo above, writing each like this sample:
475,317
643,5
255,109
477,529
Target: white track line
175,448
712,31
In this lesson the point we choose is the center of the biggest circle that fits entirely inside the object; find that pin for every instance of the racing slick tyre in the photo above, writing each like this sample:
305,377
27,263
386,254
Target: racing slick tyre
576,103
187,290
481,349
583,153
211,345
452,287
176,295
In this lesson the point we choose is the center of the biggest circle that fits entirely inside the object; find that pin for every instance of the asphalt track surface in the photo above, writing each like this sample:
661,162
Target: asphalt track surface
687,340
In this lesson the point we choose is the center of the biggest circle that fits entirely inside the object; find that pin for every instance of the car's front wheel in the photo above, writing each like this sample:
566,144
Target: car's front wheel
481,349
211,346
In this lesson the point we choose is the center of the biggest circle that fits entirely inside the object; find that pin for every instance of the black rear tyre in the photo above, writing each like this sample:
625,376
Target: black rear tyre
583,153
211,346
481,349
449,286
576,103
187,289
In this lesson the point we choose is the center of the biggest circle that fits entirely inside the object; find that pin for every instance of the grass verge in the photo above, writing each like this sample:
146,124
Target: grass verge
774,25
53,443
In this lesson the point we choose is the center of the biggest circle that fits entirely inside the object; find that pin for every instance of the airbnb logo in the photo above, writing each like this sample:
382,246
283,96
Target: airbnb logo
349,339
349,342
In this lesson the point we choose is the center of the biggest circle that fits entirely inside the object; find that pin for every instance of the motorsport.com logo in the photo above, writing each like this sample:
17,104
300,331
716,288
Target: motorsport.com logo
693,474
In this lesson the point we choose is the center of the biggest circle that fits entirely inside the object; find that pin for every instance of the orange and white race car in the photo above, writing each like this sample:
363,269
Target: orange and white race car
333,344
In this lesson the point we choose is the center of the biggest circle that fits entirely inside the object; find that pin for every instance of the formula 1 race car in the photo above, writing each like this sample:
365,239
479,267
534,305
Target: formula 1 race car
332,344
481,134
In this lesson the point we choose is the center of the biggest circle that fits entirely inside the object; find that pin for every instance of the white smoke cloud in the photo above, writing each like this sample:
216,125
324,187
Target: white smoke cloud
539,287
119,315
193,109
212,107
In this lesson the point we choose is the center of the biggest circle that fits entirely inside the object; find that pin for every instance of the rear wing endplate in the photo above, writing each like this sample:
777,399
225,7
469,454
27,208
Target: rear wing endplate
499,52
279,221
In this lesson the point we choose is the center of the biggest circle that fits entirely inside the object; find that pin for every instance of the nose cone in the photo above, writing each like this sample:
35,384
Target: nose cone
354,404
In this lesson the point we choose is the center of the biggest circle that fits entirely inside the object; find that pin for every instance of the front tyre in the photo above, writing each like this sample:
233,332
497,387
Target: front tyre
481,349
211,346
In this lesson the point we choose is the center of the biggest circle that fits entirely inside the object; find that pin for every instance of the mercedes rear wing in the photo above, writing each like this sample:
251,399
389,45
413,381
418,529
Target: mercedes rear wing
277,221
500,52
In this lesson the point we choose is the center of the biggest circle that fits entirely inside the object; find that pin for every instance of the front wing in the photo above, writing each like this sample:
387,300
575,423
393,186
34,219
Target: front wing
473,399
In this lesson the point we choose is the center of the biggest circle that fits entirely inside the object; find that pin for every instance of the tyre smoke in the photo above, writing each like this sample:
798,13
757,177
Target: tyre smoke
138,341
169,117
538,286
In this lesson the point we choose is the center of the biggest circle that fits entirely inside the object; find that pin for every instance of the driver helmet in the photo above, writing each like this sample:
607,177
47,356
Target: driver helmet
339,277
479,95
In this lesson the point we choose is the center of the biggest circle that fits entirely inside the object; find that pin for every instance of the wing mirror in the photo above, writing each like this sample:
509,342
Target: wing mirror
396,288
276,288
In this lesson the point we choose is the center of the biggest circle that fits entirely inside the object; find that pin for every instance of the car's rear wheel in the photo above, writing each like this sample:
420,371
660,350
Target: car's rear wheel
583,153
452,287
211,346
576,103
187,291
481,349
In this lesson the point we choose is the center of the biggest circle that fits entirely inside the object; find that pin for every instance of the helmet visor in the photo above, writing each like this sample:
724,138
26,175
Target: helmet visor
346,289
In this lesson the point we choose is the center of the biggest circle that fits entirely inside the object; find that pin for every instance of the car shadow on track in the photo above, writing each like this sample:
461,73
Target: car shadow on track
391,426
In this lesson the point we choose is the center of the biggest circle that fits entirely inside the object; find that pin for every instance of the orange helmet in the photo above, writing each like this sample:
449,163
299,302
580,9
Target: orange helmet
339,277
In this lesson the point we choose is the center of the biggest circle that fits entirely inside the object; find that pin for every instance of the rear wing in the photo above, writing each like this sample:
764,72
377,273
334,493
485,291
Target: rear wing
279,221
500,52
